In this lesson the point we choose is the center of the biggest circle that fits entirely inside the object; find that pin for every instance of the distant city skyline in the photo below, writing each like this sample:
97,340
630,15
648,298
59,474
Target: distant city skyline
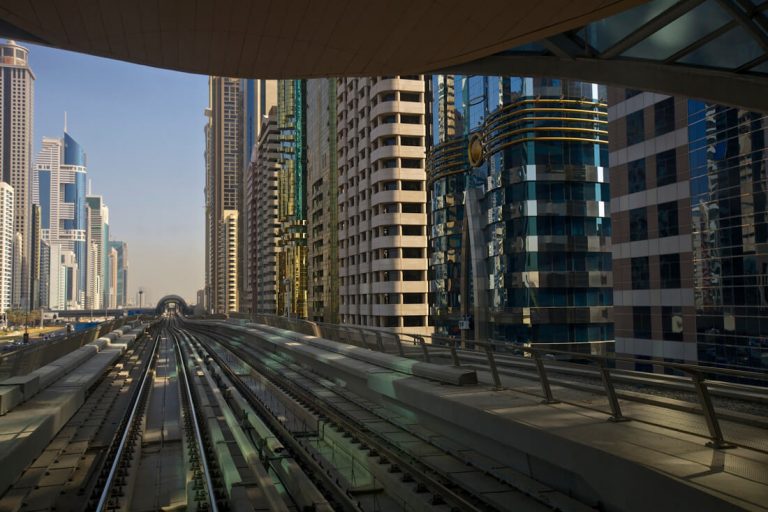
142,129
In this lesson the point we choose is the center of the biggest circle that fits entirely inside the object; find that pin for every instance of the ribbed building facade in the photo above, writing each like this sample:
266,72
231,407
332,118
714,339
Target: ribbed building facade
322,206
382,219
258,98
16,120
263,242
520,213
690,216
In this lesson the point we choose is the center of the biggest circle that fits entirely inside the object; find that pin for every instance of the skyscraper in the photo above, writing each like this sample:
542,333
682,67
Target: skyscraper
259,96
7,206
96,240
59,187
223,192
35,248
322,201
264,225
292,190
520,230
16,117
381,198
111,292
690,230
121,283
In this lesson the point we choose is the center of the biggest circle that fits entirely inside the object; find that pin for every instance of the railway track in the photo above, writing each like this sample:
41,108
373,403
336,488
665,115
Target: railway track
67,472
405,469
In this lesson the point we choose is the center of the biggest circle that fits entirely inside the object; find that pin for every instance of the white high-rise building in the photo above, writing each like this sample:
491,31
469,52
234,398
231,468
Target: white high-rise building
56,294
16,116
112,266
265,229
382,202
96,239
6,245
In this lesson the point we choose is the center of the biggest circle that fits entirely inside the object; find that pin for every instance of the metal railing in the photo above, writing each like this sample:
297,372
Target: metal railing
31,357
410,345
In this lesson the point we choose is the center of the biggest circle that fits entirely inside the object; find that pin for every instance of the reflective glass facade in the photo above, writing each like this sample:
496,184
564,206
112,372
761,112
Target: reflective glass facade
521,240
690,237
729,233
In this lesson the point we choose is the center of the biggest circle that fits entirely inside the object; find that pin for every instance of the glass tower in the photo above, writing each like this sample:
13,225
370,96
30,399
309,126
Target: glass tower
520,241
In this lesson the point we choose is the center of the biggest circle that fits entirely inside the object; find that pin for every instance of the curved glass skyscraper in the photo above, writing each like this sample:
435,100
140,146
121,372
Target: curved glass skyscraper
521,226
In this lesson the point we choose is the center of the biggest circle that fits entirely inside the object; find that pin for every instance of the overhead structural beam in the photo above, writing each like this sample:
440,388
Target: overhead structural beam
745,91
746,22
654,25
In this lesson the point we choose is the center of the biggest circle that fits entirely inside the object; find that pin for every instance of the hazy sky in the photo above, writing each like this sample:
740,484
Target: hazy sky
142,131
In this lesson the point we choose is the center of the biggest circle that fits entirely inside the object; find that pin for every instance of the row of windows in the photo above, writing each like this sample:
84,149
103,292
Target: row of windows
669,272
544,225
663,121
666,171
557,192
667,221
550,155
552,333
552,297
671,322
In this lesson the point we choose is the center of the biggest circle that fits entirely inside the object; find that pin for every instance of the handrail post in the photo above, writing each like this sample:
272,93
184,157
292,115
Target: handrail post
715,433
544,380
610,392
492,364
379,343
399,342
423,343
454,355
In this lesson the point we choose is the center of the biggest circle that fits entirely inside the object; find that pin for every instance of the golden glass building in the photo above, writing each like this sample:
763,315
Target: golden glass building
292,211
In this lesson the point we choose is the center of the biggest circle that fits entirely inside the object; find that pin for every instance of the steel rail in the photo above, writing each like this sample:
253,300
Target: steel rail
198,435
136,401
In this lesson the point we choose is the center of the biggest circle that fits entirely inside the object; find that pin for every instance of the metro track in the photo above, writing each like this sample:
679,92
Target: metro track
401,477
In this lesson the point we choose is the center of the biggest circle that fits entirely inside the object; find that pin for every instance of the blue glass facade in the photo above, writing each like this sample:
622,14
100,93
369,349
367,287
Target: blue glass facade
73,152
729,203
521,239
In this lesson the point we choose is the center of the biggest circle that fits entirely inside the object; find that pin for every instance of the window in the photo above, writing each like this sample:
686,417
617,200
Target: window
669,270
640,273
668,219
412,275
641,321
636,176
666,168
635,128
411,185
672,323
638,224
664,116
